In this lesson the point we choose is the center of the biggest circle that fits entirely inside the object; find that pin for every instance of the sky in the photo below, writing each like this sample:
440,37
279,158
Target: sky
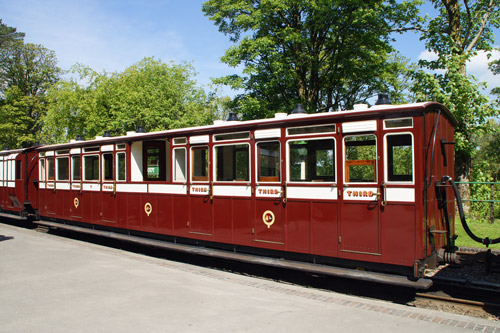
111,35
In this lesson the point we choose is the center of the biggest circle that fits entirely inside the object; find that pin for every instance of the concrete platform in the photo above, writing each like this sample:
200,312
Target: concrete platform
53,284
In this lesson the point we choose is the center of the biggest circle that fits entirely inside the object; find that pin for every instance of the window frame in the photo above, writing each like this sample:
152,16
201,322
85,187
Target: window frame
174,165
386,159
162,162
239,143
103,166
84,168
309,138
58,159
257,163
344,162
117,166
194,178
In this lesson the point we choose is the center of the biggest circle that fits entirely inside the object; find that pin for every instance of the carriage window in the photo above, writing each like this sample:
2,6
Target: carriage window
232,162
312,160
399,158
199,164
398,123
269,161
180,165
232,136
75,165
311,130
107,166
120,166
62,168
42,169
361,159
154,160
18,169
91,167
50,168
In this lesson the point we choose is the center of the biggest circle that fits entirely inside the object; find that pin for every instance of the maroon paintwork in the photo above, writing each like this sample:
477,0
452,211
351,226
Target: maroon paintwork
399,233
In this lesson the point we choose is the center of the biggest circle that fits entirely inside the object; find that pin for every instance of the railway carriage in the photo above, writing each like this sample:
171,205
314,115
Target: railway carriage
351,188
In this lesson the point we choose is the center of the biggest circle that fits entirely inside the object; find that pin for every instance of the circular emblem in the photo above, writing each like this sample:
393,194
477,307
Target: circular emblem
148,208
76,202
268,218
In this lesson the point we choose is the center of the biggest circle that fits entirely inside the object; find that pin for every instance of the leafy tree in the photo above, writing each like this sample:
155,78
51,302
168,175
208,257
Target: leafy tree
26,72
151,94
455,35
322,53
8,37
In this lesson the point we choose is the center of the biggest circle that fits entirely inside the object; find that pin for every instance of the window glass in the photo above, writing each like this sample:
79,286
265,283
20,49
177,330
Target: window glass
180,165
200,164
311,130
121,166
232,163
76,166
18,169
399,158
398,123
232,136
360,159
154,160
269,161
50,168
180,141
312,160
42,169
62,168
91,167
108,166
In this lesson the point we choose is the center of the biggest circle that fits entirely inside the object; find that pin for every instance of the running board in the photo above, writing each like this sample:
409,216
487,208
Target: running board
395,280
13,217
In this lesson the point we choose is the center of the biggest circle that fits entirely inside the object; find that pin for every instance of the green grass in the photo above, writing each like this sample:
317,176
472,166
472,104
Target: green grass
479,228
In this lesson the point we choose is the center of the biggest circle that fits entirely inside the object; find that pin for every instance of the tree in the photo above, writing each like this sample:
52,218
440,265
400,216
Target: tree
151,94
455,35
322,53
26,74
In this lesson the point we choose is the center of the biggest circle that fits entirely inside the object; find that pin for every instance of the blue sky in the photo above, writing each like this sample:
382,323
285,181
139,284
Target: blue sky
112,35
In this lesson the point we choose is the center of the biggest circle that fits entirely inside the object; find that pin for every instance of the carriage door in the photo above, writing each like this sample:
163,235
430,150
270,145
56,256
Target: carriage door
270,191
200,192
361,188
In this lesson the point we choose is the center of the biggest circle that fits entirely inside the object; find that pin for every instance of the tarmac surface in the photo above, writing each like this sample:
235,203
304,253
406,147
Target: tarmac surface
54,284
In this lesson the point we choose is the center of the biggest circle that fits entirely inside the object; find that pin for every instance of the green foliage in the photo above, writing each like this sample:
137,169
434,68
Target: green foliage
26,72
480,229
151,94
321,53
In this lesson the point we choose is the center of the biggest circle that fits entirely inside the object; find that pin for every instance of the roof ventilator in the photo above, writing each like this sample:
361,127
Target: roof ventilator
298,109
232,117
140,129
383,99
79,137
107,134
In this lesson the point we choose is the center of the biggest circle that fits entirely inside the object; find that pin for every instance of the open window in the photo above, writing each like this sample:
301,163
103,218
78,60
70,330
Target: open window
268,159
154,162
361,159
312,160
232,162
399,157
107,166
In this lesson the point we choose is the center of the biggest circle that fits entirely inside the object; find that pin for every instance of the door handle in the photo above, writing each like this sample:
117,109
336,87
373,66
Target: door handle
383,186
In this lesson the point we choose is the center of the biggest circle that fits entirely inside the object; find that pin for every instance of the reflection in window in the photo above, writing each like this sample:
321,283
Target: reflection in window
232,162
269,161
200,164
360,159
62,168
91,167
312,160
180,165
121,168
399,158
75,165
108,166
50,168
42,169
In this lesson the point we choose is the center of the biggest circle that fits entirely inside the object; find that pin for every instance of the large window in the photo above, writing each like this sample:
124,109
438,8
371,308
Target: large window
42,169
312,160
361,159
269,161
232,162
199,164
62,168
91,167
399,158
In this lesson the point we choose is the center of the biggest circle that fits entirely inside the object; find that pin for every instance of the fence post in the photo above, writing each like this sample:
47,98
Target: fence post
492,204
